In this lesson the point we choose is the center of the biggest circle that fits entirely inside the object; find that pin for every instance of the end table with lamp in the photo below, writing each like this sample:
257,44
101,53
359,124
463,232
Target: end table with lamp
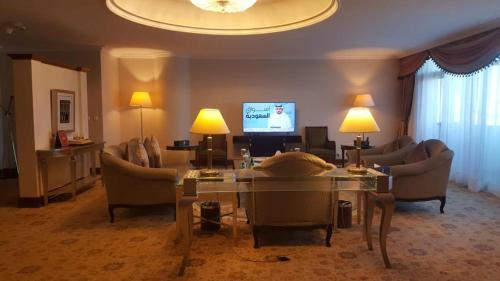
209,122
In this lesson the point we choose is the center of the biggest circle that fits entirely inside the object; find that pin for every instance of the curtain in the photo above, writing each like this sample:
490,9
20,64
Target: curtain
463,112
463,57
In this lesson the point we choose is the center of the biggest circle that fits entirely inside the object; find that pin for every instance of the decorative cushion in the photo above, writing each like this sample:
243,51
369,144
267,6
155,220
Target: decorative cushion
156,152
393,146
124,150
417,154
137,153
294,164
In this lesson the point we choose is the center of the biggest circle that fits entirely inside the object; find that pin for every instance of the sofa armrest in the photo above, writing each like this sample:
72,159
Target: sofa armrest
421,167
131,170
388,159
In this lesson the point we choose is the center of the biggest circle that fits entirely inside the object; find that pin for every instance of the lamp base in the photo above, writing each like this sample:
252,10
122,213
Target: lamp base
357,170
209,173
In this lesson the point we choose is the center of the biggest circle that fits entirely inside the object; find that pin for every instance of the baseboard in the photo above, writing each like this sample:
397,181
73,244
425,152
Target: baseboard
30,202
8,174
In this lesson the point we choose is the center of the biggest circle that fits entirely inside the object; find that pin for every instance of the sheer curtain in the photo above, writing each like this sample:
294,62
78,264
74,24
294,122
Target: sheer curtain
463,112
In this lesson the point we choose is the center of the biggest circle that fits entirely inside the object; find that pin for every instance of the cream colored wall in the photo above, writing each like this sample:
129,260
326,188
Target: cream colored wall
111,109
167,80
33,81
322,89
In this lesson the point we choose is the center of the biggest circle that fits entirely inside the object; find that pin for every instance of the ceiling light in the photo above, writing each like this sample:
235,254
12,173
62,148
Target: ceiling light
224,6
225,16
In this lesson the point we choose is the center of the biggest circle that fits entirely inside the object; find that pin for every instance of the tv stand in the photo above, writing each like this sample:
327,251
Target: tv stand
267,145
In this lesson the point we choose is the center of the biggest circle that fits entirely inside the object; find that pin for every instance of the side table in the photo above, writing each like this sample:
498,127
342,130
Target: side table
345,147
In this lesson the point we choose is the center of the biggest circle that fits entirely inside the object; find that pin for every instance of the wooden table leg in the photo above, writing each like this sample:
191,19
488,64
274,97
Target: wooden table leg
387,204
235,216
359,196
369,206
73,176
335,210
185,225
93,164
44,174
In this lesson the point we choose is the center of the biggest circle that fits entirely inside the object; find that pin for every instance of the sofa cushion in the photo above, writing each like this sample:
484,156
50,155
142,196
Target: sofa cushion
417,154
149,151
124,150
137,153
294,164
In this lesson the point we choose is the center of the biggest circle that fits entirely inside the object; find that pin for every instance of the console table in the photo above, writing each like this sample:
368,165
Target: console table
374,186
267,145
71,152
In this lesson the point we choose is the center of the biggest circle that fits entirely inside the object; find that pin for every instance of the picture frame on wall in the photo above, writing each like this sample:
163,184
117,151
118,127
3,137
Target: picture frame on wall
63,110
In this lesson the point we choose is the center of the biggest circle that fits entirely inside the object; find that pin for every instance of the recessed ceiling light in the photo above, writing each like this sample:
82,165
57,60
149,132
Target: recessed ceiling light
225,17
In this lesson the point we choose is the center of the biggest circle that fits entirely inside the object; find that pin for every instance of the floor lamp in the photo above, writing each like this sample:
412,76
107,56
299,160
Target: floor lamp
141,100
209,122
358,120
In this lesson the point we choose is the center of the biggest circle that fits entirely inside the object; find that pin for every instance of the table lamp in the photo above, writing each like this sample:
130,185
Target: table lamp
358,120
209,122
141,99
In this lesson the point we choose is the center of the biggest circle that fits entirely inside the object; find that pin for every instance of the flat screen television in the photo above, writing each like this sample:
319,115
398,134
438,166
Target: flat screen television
268,117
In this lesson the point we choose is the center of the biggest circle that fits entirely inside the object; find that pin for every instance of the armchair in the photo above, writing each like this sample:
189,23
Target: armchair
317,143
418,181
219,150
306,202
397,144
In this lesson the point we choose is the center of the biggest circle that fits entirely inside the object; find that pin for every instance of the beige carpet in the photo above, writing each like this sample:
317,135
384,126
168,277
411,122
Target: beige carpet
74,241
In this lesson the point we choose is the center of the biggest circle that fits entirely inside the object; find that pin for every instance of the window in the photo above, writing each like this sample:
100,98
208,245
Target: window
464,112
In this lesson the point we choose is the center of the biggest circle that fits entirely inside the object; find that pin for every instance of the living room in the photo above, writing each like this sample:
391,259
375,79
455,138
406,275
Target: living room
393,113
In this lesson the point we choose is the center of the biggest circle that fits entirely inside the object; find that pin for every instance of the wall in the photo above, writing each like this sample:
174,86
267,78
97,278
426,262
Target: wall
33,81
322,89
167,80
89,59
110,88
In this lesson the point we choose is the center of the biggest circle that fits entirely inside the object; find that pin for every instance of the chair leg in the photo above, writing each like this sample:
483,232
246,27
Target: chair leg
443,202
111,213
175,213
255,231
329,232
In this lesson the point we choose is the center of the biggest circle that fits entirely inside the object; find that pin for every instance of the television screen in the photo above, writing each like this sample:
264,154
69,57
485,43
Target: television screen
268,117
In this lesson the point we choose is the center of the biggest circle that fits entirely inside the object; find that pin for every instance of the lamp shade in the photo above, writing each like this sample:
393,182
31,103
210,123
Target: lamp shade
140,99
359,120
363,101
209,122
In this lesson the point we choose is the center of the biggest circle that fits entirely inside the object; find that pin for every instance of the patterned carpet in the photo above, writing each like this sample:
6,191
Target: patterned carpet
74,241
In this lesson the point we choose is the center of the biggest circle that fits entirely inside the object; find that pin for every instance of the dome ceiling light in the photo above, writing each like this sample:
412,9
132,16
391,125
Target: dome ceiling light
225,17
224,6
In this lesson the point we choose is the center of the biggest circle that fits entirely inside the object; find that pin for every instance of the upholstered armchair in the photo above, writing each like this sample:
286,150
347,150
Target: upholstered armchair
397,144
219,150
420,173
305,202
317,143
129,185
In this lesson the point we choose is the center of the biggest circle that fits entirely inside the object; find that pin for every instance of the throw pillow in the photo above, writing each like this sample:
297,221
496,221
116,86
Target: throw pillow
417,154
294,164
149,151
156,152
393,146
124,150
137,153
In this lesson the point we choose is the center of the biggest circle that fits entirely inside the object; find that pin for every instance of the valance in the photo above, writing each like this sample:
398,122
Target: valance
462,57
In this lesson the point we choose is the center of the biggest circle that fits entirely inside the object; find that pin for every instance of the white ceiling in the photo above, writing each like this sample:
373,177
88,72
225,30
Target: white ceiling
361,29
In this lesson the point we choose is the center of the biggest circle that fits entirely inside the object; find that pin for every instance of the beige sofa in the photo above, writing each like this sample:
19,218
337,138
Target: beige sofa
129,185
420,181
401,142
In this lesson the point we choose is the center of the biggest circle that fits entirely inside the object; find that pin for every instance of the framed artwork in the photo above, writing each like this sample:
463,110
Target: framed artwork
63,110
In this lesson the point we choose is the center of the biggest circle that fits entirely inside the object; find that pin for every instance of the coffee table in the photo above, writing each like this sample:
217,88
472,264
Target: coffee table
374,186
